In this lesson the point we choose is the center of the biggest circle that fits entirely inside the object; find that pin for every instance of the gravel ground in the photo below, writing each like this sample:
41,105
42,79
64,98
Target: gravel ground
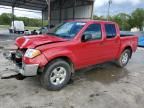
101,86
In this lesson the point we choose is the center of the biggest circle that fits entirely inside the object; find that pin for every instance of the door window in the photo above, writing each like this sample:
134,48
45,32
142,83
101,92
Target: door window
95,31
110,30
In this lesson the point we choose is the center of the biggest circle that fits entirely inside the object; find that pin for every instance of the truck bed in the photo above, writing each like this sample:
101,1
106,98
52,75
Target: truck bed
126,34
129,39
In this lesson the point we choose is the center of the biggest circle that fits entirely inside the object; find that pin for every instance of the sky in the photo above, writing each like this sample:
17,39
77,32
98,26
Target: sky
21,12
100,8
117,6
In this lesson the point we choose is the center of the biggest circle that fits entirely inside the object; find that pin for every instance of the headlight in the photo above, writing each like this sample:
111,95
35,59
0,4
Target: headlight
31,53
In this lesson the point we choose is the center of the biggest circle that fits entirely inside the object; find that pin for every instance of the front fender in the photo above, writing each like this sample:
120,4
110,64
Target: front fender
56,53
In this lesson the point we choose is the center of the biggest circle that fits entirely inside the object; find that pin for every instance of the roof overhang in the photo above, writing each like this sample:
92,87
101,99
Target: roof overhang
32,4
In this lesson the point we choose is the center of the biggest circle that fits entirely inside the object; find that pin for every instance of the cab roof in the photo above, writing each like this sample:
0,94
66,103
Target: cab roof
91,21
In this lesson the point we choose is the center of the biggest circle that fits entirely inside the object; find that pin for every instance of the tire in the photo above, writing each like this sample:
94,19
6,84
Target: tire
10,31
56,75
124,58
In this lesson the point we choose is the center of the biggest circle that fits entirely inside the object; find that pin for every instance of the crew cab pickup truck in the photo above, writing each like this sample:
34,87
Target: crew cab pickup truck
71,46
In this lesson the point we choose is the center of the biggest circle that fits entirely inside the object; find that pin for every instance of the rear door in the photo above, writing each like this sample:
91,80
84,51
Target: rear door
112,41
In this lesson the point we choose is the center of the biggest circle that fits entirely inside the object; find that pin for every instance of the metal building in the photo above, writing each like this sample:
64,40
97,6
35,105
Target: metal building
55,10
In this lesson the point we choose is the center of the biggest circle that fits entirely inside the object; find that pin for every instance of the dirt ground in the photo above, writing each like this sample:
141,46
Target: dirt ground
101,86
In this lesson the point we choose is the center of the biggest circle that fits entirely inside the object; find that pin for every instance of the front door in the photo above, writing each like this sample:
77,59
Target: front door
91,52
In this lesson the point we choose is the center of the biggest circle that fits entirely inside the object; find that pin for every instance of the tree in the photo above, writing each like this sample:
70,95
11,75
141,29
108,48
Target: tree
6,18
99,17
137,19
123,20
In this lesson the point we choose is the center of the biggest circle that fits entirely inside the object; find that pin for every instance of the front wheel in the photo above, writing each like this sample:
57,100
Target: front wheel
56,75
124,58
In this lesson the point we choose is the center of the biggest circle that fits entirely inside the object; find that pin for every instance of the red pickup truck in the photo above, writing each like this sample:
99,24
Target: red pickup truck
70,46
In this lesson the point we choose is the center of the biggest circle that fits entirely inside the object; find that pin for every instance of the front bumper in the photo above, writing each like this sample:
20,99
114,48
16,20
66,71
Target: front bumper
21,67
27,69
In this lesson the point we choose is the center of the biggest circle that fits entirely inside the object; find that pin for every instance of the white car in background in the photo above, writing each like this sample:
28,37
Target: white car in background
42,30
17,27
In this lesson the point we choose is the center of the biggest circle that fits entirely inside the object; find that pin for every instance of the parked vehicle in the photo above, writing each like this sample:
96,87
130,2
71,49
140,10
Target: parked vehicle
45,29
17,27
27,32
141,41
140,35
42,30
71,46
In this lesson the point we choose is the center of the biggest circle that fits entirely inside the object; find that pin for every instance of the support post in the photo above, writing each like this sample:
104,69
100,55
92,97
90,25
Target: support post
49,12
74,9
42,17
60,12
13,18
92,12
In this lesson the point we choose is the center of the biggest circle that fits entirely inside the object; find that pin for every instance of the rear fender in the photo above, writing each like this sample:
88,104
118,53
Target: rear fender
124,48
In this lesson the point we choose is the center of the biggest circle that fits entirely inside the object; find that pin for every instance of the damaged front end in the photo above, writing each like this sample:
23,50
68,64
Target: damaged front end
16,57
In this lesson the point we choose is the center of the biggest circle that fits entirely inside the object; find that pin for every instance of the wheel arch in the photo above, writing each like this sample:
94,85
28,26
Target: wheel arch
129,48
65,58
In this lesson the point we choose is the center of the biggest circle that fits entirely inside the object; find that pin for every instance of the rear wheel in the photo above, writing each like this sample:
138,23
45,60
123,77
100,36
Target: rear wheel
124,58
56,75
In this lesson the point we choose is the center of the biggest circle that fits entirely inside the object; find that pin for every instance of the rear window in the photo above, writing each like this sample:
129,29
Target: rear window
110,30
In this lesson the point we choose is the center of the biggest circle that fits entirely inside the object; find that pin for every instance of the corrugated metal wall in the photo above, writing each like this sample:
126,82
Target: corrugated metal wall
70,11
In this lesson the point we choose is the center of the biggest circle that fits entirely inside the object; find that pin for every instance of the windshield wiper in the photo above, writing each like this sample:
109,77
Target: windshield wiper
53,34
59,35
65,36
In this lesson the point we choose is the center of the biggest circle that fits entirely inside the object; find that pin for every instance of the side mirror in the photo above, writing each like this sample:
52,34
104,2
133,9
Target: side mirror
86,37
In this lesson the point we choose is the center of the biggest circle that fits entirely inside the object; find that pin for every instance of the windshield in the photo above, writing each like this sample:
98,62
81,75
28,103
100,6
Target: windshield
67,29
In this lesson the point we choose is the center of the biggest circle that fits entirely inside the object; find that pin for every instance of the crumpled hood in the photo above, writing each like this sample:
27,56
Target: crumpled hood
36,40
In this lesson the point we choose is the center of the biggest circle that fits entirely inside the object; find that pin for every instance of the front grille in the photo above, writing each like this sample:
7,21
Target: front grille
18,58
19,54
